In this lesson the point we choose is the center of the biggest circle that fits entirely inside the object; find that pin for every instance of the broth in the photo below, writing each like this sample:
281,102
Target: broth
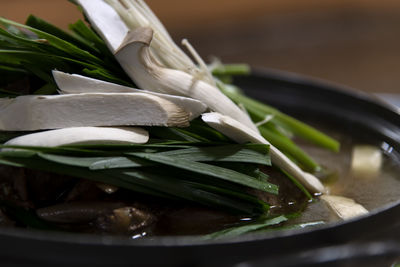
371,192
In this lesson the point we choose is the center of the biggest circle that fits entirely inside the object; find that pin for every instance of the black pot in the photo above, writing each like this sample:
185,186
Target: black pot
371,240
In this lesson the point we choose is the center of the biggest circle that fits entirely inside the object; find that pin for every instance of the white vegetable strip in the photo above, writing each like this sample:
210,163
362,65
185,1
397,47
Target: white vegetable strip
105,21
77,84
146,70
135,57
345,208
242,134
137,14
83,135
112,19
202,65
33,112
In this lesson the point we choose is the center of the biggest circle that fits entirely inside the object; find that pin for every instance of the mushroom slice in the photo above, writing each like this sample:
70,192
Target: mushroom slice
132,51
77,84
133,14
34,112
136,59
106,21
242,134
345,208
83,135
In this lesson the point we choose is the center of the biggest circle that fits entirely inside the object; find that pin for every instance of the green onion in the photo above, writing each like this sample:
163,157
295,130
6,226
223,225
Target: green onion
210,170
44,26
288,147
294,125
55,42
246,228
231,69
158,173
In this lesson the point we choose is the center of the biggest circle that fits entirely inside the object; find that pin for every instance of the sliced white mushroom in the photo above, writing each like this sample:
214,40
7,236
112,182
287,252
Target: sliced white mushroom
34,112
345,208
135,57
242,134
78,84
134,14
106,21
83,135
366,161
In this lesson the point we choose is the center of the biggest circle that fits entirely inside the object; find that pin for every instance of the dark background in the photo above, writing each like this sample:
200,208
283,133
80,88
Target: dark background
351,42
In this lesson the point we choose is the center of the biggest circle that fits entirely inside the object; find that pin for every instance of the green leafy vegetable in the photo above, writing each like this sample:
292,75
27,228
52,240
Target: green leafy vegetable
247,228
210,170
154,173
63,47
44,26
254,153
40,48
260,110
90,37
231,69
257,154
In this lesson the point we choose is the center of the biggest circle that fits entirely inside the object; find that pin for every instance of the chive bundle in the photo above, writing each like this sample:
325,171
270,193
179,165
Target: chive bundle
187,172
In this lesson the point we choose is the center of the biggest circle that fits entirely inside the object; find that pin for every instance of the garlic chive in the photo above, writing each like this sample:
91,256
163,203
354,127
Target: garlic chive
242,134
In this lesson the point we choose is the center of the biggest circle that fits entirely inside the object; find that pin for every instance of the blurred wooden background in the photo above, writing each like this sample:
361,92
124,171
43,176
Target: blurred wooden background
352,42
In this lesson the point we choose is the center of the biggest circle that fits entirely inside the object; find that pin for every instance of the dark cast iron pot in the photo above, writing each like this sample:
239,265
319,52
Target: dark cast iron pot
372,240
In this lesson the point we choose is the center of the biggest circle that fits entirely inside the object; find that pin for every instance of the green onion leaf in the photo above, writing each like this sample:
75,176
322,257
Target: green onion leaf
252,153
247,228
297,127
210,170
